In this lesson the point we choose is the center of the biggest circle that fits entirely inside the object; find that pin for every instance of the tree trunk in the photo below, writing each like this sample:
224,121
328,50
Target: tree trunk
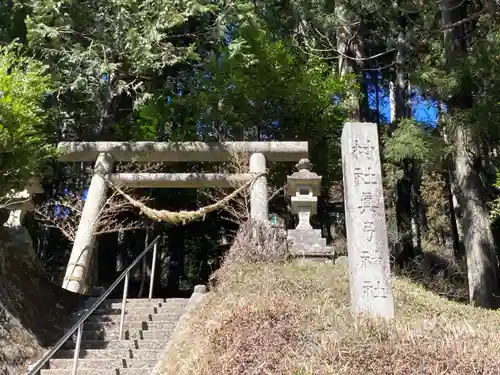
416,210
107,254
401,108
176,243
408,200
121,253
144,267
403,213
457,233
482,264
349,48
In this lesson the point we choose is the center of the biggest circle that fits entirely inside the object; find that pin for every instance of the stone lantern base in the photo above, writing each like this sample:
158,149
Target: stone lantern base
308,243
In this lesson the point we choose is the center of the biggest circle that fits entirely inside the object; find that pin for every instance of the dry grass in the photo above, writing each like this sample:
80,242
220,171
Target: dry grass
258,242
293,318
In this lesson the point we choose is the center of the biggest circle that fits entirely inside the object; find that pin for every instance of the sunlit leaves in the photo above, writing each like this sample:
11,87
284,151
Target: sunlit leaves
412,142
23,84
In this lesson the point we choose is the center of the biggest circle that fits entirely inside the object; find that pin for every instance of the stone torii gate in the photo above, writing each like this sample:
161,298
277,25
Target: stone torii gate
106,154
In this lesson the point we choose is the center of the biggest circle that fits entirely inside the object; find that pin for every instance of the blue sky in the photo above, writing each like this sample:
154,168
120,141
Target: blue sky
423,110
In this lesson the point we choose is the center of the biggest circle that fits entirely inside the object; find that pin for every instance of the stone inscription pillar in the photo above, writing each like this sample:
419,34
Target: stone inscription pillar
77,272
367,245
258,190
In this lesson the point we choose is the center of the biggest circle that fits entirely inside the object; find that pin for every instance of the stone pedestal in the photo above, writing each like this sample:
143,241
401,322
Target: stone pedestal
304,187
77,271
308,243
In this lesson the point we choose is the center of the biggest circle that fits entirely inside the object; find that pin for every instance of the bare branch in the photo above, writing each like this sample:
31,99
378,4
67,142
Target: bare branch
472,17
239,209
331,48
64,214
276,193
7,202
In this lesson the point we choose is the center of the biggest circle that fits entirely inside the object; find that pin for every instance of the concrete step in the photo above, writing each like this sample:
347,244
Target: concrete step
139,310
64,364
157,334
82,371
117,344
136,318
131,300
162,305
112,353
143,302
144,326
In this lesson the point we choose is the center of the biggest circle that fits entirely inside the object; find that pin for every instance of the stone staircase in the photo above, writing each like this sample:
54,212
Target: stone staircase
148,327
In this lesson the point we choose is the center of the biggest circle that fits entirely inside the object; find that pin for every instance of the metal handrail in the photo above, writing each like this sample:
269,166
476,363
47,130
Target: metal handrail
79,324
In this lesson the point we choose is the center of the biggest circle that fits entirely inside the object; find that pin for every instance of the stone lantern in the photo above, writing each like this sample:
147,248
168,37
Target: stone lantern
19,203
304,187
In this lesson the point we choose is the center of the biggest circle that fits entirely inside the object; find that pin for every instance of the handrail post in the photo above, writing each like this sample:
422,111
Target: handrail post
78,326
153,266
77,349
124,303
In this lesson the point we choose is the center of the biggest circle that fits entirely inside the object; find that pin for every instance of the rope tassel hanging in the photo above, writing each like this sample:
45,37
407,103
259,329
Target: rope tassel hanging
183,217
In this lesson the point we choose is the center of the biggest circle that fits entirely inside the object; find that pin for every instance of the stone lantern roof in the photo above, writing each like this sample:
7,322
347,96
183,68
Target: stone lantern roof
304,182
22,199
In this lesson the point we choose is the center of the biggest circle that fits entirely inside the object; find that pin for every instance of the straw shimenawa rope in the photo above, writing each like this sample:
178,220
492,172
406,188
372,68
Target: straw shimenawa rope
183,217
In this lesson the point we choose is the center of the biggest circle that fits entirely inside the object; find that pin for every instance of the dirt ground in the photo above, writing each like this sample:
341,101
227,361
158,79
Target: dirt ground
33,311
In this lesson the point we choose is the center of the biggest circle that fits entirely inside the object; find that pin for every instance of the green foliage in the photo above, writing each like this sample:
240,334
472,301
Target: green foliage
23,148
412,142
108,57
494,205
257,89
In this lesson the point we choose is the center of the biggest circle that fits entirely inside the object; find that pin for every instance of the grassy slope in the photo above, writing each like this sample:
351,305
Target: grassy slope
293,318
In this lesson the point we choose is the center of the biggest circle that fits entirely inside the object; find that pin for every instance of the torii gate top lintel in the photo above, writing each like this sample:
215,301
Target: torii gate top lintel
181,151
